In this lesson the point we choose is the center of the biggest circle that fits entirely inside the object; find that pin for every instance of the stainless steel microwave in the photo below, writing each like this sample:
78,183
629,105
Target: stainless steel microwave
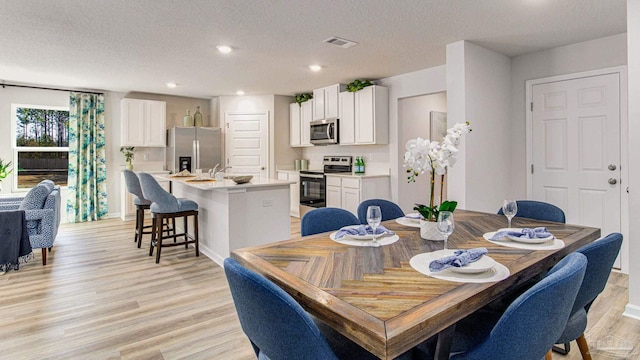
324,132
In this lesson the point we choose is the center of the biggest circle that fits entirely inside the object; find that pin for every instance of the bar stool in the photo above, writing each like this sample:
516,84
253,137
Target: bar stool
133,187
167,206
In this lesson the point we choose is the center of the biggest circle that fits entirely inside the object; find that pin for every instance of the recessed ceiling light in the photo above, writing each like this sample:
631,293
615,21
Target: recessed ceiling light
224,49
315,67
239,92
171,84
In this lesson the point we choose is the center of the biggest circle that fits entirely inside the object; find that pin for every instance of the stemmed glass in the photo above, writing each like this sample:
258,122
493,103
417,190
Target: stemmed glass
374,217
510,209
446,225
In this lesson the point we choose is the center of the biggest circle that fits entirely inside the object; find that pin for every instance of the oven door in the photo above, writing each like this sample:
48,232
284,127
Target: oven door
312,190
324,132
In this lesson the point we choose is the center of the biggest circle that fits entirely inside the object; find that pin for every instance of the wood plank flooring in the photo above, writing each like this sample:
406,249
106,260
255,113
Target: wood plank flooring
100,297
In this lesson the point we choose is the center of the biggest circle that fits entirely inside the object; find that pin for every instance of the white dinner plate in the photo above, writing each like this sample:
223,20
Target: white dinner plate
483,264
531,241
420,263
362,237
403,220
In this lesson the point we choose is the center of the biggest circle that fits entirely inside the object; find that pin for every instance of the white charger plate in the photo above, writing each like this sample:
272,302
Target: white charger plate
406,221
552,244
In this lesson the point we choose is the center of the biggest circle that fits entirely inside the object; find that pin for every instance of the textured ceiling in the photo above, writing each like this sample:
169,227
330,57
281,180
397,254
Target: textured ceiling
139,45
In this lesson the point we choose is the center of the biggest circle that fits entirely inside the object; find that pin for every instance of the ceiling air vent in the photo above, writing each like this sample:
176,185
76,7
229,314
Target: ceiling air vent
343,43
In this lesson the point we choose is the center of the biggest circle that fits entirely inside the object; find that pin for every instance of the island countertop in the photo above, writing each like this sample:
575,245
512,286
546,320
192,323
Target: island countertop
225,184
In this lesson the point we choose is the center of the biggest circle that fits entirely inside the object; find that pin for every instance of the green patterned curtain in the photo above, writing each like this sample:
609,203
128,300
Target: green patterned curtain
87,199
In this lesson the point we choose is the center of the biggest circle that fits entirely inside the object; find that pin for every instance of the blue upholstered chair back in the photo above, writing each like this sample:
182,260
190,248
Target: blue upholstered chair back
275,323
601,255
164,202
389,209
534,321
326,219
538,210
133,186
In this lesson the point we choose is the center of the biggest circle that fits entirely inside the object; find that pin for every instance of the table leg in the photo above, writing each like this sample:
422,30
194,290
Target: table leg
443,346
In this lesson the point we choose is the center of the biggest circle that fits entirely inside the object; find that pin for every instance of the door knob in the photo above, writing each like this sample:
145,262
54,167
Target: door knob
611,167
613,181
262,168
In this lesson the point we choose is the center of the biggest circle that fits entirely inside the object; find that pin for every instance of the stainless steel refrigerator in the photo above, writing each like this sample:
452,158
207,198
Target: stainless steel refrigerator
193,148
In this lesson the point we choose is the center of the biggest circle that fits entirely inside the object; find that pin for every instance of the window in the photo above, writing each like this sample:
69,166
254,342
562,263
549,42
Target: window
41,148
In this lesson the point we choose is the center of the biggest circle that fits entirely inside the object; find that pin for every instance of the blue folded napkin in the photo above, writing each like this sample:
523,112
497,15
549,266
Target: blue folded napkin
362,230
459,258
526,233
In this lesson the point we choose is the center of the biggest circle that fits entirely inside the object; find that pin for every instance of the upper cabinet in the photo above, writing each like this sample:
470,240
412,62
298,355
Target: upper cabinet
326,102
143,122
364,116
299,123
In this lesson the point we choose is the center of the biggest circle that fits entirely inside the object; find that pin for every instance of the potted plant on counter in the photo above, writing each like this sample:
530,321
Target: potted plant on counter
422,156
127,151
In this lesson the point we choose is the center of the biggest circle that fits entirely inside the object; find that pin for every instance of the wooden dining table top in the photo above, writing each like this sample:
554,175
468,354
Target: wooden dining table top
374,297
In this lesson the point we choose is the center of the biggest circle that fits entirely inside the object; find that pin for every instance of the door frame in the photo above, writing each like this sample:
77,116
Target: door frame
225,128
624,144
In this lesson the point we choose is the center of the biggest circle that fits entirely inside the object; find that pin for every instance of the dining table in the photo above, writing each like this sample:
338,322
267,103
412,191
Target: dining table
373,295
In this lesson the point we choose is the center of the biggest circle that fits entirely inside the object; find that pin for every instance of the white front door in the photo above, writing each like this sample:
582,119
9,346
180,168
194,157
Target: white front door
576,149
247,143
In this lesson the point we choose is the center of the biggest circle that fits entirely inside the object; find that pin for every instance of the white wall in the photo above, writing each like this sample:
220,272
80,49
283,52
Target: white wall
589,55
427,81
479,92
633,27
414,121
285,155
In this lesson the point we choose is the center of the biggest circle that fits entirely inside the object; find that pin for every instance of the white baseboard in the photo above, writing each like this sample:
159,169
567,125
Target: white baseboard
632,311
212,255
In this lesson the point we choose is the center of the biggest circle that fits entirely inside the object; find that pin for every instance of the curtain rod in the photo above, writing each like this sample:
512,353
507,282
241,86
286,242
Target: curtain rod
48,88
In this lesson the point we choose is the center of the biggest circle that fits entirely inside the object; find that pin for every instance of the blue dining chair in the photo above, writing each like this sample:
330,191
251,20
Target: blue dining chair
538,210
531,324
601,254
277,326
389,209
326,219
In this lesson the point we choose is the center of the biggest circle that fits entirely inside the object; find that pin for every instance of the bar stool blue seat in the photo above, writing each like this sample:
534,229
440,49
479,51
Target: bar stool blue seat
166,206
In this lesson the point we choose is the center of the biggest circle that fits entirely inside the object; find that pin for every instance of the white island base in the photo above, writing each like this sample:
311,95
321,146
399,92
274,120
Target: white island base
234,216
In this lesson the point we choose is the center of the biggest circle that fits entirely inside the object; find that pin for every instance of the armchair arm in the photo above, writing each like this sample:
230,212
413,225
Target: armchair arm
9,205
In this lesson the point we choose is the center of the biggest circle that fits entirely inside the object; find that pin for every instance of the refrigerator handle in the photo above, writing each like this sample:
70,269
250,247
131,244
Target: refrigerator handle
194,155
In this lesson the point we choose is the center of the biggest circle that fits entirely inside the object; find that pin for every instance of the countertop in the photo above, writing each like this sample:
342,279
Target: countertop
226,184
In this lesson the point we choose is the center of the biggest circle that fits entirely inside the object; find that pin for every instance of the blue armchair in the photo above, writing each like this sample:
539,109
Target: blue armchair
42,211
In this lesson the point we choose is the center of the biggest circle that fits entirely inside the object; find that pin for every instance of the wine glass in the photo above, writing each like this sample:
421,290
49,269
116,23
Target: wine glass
510,209
374,217
446,225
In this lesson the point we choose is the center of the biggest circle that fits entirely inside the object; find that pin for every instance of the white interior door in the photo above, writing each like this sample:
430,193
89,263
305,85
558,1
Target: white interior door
247,143
576,149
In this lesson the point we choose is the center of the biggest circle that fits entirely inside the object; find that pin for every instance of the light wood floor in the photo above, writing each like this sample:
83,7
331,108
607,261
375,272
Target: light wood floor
100,297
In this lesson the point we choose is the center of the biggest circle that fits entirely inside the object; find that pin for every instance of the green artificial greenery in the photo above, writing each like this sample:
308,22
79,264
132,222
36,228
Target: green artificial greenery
300,98
127,151
431,214
5,169
358,85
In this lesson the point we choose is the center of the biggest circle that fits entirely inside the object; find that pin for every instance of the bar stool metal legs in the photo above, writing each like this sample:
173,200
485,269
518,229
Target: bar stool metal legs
158,235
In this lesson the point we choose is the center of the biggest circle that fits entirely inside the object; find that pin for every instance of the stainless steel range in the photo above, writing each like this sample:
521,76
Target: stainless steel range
313,184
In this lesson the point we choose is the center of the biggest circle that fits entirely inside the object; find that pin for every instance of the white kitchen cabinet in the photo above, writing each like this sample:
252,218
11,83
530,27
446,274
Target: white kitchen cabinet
294,189
364,116
347,121
143,122
347,192
305,119
326,102
127,207
299,123
294,125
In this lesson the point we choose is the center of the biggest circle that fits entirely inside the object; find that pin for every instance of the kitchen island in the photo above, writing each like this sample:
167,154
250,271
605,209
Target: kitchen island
233,216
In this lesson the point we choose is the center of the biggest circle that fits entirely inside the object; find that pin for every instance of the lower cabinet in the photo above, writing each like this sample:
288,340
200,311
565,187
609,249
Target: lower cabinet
294,190
348,192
